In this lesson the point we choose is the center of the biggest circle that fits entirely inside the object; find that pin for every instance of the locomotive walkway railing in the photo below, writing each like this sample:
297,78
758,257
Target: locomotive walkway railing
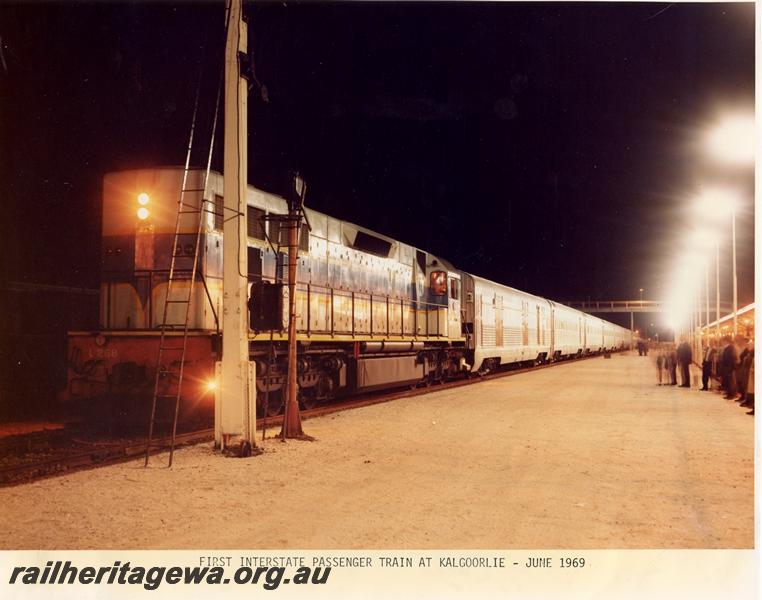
371,313
366,313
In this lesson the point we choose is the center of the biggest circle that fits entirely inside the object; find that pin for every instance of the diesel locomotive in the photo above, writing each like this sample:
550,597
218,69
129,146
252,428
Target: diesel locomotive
373,312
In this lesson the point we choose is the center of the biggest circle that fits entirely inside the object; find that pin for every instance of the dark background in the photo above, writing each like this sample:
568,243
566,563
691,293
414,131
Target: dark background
551,147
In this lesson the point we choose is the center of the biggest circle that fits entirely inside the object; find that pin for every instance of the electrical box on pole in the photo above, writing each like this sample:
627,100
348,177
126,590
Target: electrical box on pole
268,306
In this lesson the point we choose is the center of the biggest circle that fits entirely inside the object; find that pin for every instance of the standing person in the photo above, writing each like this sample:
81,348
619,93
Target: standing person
684,358
719,365
729,364
749,395
672,363
661,363
742,373
707,363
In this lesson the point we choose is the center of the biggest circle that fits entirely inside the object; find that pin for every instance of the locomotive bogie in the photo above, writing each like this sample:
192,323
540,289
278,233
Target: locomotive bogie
116,371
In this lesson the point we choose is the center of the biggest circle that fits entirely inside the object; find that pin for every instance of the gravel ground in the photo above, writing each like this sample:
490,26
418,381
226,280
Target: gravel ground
583,455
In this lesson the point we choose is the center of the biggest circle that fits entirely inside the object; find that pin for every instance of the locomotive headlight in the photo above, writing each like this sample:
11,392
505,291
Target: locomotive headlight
143,198
143,213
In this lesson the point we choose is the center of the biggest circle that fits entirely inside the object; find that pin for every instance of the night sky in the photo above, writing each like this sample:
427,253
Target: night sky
551,147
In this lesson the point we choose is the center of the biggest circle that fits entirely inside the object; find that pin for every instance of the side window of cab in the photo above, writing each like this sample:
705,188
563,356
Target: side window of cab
454,288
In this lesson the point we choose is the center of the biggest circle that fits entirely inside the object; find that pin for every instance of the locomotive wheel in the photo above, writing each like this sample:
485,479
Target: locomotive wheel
308,400
274,404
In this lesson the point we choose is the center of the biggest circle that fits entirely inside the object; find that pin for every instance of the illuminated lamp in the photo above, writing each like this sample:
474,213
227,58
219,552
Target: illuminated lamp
143,198
143,213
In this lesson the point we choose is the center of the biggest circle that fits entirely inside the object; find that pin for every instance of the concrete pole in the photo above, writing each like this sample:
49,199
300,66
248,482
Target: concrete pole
235,408
735,279
706,290
717,285
697,344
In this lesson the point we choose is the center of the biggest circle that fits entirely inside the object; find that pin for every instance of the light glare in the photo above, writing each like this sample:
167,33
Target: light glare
142,213
143,198
732,141
717,203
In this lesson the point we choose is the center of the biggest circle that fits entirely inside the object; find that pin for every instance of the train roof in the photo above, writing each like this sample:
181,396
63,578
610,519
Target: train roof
322,225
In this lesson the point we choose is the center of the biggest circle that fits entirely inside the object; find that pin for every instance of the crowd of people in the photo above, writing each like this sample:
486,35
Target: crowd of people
727,366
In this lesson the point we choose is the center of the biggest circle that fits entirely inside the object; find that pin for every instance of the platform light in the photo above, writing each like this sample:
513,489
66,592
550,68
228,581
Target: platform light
143,198
717,203
732,140
143,213
703,239
211,385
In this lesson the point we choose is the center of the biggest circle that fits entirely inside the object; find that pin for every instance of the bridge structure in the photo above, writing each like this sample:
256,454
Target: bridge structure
628,306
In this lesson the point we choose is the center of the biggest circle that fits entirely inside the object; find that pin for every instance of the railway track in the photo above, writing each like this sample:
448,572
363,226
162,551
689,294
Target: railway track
102,454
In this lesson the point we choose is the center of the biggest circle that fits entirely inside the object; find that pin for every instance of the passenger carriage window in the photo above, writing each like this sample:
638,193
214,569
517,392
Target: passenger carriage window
255,225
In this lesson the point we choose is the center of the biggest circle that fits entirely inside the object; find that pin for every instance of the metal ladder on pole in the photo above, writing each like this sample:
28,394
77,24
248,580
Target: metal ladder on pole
170,346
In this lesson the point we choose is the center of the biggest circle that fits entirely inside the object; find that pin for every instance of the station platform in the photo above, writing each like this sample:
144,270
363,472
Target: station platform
587,454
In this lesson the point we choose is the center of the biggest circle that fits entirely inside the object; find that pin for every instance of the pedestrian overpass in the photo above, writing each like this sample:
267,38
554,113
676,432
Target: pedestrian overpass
629,306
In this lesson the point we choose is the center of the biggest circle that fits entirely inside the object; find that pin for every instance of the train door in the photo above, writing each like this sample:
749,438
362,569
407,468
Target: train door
419,285
454,327
553,326
539,328
524,323
468,310
498,304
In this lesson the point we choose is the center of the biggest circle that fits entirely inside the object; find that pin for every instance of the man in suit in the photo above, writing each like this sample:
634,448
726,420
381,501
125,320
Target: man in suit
742,371
748,396
729,363
671,361
684,358
706,364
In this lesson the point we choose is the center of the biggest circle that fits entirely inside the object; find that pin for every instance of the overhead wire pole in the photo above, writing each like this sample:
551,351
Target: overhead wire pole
706,292
717,284
735,279
235,404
